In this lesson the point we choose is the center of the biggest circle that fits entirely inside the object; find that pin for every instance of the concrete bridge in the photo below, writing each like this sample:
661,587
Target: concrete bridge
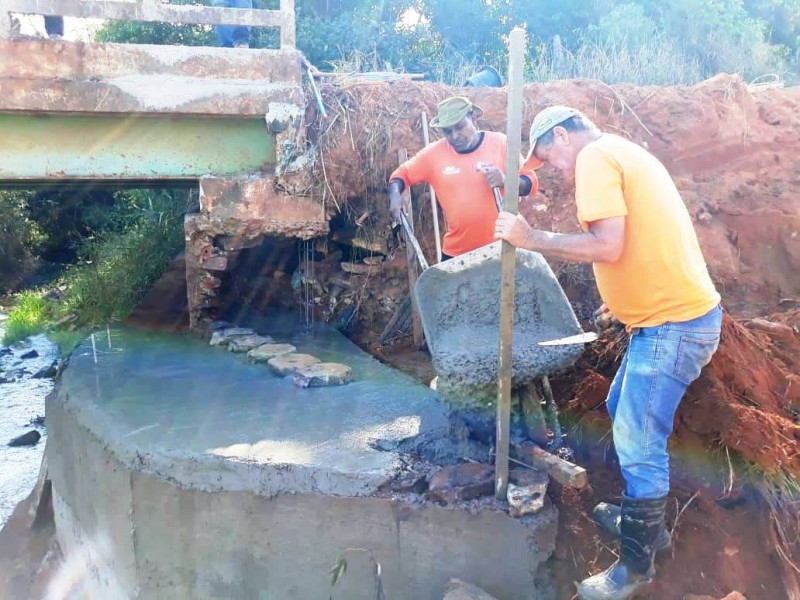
226,120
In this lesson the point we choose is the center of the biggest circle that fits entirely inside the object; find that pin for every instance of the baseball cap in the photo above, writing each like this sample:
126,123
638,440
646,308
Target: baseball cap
452,110
544,122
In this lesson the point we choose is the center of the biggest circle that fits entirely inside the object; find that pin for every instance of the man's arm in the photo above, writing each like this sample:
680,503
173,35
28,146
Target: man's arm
603,242
496,178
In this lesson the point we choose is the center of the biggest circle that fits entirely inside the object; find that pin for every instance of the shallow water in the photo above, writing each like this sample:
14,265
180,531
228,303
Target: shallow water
20,402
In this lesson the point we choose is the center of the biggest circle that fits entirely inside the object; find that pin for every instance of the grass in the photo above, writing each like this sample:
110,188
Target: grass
29,316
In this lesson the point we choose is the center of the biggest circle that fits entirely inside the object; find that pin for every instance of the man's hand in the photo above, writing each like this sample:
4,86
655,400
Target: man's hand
494,176
604,319
514,229
395,200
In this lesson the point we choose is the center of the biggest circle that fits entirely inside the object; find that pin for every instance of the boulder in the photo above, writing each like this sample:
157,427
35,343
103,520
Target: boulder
461,482
31,354
246,343
30,438
47,372
266,351
323,375
288,364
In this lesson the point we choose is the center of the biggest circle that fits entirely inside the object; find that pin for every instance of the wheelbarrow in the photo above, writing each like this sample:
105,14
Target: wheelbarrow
459,309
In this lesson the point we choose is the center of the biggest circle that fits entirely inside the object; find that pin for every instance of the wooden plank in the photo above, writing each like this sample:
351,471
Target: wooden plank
432,192
563,471
508,259
416,322
155,12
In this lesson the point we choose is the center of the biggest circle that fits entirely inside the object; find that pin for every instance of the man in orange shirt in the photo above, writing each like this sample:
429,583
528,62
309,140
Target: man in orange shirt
462,168
652,276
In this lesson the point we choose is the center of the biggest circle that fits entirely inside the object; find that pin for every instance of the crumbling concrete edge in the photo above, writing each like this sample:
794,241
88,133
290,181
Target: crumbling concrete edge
211,473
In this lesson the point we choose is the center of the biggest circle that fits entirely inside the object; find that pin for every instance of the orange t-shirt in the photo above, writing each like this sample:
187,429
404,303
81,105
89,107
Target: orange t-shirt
462,191
661,276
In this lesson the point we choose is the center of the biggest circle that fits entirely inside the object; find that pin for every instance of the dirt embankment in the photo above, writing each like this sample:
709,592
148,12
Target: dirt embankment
731,149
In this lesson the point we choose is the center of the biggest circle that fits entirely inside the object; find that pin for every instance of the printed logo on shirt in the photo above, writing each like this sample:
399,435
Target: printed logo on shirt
451,171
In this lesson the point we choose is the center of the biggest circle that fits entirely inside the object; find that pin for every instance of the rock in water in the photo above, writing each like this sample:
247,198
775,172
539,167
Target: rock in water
224,336
287,364
31,354
26,439
47,372
266,351
323,375
246,343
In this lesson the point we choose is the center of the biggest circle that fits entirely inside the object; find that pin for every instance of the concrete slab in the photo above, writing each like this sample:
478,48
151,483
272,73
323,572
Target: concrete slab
460,312
61,76
173,406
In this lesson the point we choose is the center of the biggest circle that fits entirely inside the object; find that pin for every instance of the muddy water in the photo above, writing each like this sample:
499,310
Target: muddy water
20,402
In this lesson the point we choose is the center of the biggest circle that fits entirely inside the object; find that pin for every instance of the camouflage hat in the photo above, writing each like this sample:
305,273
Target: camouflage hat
452,110
544,122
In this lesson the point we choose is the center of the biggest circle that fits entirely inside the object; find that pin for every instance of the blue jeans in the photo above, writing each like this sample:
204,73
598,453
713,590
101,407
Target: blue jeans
658,366
228,35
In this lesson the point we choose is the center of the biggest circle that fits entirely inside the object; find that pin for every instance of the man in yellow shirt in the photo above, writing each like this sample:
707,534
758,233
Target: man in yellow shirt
651,275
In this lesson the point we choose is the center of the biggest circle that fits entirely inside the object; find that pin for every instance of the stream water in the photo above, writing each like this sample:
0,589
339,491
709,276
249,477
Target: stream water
21,401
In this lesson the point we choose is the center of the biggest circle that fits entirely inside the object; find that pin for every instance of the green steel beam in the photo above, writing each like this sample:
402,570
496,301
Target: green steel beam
132,147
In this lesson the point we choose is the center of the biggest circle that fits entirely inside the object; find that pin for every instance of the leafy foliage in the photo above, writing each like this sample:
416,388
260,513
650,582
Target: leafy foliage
121,261
688,39
20,238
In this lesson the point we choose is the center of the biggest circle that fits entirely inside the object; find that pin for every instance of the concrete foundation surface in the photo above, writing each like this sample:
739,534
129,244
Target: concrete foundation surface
181,471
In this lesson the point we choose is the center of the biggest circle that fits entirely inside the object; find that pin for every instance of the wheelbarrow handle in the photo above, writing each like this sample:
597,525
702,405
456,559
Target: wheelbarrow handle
413,240
498,199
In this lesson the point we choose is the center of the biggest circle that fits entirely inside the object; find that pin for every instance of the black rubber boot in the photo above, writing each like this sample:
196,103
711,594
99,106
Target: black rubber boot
641,523
608,516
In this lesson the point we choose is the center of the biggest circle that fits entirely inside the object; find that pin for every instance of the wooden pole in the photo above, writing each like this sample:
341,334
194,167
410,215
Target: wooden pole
516,56
432,193
416,322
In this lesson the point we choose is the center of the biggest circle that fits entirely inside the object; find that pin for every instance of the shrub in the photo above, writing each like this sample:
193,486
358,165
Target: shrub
19,239
28,317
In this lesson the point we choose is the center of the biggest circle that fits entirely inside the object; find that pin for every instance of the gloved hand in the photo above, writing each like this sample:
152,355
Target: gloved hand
604,319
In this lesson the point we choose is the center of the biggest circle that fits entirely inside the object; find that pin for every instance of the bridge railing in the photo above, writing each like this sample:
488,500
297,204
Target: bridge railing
155,11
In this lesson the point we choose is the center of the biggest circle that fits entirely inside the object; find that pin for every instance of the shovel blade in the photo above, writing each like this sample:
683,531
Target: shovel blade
581,338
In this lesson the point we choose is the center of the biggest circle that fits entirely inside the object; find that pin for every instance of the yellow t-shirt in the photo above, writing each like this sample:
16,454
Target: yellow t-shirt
661,276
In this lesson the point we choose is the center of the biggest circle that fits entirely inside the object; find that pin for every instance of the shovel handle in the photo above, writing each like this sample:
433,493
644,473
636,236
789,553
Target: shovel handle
498,199
413,240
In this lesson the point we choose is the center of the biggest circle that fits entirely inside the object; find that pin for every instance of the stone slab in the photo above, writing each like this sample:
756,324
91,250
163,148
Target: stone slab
461,590
289,364
224,336
266,351
248,342
323,375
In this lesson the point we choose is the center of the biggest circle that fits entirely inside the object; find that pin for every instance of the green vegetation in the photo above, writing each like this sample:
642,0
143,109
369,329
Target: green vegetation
118,260
20,238
29,316
641,41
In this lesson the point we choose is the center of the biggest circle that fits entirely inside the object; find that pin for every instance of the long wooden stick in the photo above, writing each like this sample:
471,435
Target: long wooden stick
516,55
434,208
